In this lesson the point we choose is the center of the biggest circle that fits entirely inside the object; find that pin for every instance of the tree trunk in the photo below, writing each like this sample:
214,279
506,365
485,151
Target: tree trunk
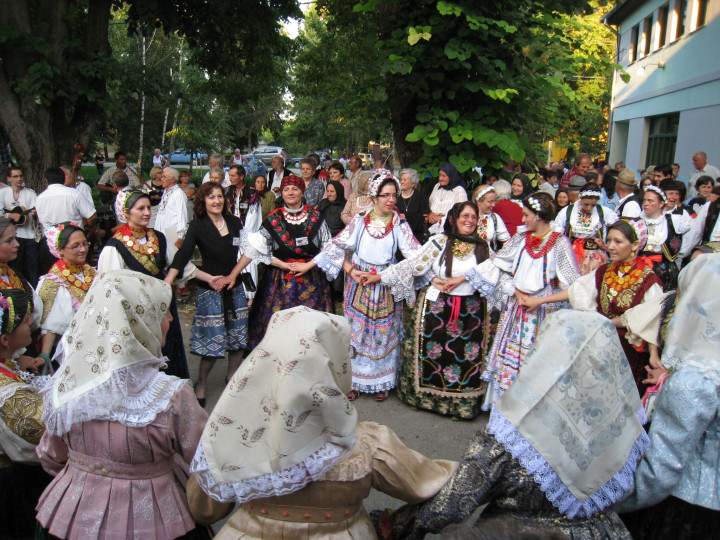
42,132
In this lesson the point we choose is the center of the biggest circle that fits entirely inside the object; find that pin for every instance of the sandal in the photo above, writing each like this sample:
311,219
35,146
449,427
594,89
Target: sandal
381,396
352,395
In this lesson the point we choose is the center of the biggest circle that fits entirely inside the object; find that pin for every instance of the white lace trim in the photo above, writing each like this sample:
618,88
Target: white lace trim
283,482
550,483
133,396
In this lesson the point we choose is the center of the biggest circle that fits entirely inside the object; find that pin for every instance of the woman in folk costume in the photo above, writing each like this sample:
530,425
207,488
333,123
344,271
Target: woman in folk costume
449,190
614,288
491,227
137,247
9,279
443,355
292,233
676,484
119,432
64,287
375,316
665,236
540,262
585,223
561,444
284,442
21,477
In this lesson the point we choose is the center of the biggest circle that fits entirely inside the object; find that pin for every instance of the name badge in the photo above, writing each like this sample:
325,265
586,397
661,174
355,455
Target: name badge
302,241
243,205
432,293
236,242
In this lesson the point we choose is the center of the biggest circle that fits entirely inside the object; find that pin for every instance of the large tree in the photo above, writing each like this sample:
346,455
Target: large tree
55,61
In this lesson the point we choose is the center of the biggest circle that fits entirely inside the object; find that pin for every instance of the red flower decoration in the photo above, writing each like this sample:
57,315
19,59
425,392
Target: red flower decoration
274,222
298,250
291,242
313,219
535,242
284,237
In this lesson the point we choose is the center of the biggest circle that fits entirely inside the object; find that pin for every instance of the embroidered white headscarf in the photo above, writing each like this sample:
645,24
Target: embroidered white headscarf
283,420
112,353
693,333
573,418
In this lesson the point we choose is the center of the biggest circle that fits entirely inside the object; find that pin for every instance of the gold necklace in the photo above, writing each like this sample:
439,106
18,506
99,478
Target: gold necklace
462,250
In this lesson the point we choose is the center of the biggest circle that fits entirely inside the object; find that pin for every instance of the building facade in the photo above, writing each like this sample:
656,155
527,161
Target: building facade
670,107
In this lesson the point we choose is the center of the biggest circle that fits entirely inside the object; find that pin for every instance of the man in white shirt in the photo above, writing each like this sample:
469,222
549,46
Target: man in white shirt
26,230
172,210
58,204
82,187
216,160
702,168
628,205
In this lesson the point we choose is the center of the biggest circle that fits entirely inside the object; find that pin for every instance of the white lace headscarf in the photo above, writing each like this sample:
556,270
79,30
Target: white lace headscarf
573,418
112,353
283,420
693,333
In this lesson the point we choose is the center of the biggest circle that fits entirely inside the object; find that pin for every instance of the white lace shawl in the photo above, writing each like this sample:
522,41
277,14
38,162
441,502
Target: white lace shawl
133,396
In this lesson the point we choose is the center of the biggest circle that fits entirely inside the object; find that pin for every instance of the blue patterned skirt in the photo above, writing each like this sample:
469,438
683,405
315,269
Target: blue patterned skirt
220,323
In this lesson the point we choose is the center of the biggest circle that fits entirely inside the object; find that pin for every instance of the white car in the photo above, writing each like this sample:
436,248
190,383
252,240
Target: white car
267,153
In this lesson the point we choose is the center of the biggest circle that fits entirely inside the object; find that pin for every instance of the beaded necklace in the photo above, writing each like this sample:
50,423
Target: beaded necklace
13,281
536,247
69,273
144,252
378,226
621,276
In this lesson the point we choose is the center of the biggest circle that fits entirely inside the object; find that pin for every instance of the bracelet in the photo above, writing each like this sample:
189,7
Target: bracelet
45,357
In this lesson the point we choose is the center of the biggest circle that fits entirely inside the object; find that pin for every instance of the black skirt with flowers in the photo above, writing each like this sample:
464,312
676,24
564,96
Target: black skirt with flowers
443,356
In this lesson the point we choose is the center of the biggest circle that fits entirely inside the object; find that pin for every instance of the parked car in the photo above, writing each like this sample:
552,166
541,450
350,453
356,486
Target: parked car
182,156
267,153
255,166
325,159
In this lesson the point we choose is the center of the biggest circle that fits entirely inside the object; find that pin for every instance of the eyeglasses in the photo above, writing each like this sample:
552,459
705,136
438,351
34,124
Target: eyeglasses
75,247
388,196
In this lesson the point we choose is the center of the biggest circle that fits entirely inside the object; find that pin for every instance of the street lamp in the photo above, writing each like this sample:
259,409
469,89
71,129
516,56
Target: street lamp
641,69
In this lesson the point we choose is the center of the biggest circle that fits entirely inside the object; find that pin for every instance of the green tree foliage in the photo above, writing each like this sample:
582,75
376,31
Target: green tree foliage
475,83
55,61
338,95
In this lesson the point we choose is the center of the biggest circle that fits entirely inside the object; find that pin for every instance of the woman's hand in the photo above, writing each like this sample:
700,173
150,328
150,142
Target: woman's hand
521,296
433,218
369,278
28,363
451,283
299,268
438,283
357,276
224,281
530,303
655,362
213,281
654,374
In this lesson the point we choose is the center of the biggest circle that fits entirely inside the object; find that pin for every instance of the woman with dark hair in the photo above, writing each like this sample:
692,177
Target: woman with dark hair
442,351
562,199
330,209
220,321
137,247
375,317
64,287
614,288
336,173
21,425
119,433
585,223
538,262
449,190
609,197
521,188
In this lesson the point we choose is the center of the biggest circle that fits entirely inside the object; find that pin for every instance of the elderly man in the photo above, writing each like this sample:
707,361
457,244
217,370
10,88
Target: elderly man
237,158
575,186
702,168
14,197
619,166
277,173
172,210
581,165
357,175
216,160
628,206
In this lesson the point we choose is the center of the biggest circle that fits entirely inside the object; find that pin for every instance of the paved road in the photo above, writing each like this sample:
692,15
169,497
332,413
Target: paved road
432,434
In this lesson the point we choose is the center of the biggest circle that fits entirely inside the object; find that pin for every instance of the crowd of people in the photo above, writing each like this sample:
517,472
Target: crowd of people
577,306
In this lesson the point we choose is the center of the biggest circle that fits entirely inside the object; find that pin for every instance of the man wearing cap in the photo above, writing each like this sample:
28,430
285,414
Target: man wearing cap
574,187
674,192
628,206
581,165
